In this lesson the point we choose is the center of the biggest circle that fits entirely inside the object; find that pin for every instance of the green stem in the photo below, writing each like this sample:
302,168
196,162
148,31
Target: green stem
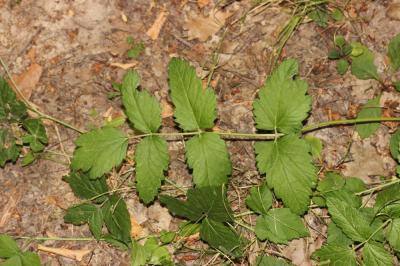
348,122
371,190
244,226
40,238
31,106
372,235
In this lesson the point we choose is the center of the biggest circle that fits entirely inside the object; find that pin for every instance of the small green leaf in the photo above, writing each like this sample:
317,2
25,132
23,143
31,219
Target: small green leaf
396,85
80,214
271,261
393,234
195,108
167,237
117,219
139,254
374,254
394,145
335,254
341,66
9,150
337,14
195,208
320,16
315,146
279,226
362,65
136,50
159,255
340,41
259,199
142,109
152,160
28,158
11,109
394,52
86,188
208,156
221,237
349,219
371,109
98,151
37,137
334,54
282,104
331,182
336,236
345,196
8,247
354,184
289,170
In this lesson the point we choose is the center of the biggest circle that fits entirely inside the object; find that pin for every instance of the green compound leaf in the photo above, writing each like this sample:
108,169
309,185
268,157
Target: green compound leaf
37,137
9,150
142,109
208,156
393,234
152,160
374,254
283,103
394,52
195,208
195,107
98,151
271,261
86,188
279,226
11,109
348,218
8,247
362,64
260,199
289,169
335,254
395,144
117,219
221,237
371,109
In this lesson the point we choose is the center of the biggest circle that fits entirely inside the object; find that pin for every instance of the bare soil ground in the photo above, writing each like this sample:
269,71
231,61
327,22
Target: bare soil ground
69,52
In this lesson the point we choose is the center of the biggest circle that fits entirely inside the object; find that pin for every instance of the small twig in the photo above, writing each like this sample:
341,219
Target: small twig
32,107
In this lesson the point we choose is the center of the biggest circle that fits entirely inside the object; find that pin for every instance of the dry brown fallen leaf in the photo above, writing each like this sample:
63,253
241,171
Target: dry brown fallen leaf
202,3
75,254
124,66
136,228
202,27
155,29
167,109
28,80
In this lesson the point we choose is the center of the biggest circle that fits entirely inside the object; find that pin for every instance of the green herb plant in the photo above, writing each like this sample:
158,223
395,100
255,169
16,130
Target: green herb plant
357,233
